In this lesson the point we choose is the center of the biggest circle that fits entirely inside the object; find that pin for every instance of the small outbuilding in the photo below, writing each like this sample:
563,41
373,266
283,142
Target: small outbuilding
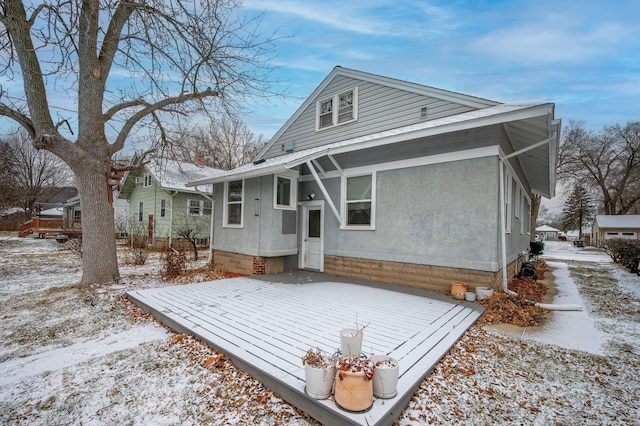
547,233
606,227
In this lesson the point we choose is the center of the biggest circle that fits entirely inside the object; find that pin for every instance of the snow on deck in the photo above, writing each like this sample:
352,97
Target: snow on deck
266,327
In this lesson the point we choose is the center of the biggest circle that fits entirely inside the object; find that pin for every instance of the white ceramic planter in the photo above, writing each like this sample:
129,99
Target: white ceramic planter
483,292
319,381
470,297
351,342
385,376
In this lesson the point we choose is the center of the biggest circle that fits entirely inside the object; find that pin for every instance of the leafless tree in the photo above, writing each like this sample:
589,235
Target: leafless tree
35,172
191,229
8,182
132,66
535,212
225,143
606,163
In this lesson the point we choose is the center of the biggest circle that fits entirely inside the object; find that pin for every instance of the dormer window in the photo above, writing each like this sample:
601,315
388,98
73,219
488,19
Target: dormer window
338,109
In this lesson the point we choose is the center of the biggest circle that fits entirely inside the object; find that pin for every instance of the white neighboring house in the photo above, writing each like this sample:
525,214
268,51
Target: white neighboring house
547,233
607,227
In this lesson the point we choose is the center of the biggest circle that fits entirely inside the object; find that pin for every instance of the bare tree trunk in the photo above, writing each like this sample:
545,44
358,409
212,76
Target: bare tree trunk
535,209
100,263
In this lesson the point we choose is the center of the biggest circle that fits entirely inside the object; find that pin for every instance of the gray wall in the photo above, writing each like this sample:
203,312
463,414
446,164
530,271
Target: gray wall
261,235
444,215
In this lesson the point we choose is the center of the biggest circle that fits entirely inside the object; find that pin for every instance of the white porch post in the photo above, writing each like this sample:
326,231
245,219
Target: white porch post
324,191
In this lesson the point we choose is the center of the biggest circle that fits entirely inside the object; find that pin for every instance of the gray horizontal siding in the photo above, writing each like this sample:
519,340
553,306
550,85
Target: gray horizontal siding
379,108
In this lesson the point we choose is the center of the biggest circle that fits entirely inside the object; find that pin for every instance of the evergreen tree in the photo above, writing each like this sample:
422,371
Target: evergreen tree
578,210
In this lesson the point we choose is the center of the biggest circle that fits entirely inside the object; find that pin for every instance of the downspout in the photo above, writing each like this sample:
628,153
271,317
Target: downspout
503,248
213,211
171,218
213,204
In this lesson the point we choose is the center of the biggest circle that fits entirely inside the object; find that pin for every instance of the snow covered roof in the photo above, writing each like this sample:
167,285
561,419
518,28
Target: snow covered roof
618,221
174,175
473,119
546,228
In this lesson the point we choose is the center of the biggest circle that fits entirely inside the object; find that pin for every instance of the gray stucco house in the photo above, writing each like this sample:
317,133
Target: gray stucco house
391,181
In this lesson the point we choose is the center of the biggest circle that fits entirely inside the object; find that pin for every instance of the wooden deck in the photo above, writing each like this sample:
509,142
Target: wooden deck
44,226
265,328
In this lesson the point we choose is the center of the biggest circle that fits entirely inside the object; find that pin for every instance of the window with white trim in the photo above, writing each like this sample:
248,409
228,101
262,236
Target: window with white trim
194,207
338,109
207,207
518,202
199,207
233,203
147,180
284,192
508,188
140,211
163,208
359,201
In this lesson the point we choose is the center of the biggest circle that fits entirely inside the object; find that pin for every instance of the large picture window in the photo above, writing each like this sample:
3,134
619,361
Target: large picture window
338,109
359,202
233,194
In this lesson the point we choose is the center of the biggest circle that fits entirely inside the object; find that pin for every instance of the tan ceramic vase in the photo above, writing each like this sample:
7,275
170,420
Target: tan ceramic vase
353,391
458,290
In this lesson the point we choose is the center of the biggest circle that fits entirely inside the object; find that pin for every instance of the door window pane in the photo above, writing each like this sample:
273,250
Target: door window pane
314,224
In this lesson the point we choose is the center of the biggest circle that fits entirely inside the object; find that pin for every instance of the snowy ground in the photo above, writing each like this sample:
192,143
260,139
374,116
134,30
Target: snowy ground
77,356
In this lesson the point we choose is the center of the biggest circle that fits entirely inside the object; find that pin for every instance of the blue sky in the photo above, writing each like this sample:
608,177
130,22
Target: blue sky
582,55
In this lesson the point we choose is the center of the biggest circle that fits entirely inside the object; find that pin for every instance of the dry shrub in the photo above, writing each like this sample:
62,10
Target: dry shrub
173,264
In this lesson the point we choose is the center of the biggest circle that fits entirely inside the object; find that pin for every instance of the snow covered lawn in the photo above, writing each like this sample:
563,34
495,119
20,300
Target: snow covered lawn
76,356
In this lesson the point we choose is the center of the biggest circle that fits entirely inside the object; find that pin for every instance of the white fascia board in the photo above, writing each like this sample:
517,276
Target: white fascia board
455,123
447,127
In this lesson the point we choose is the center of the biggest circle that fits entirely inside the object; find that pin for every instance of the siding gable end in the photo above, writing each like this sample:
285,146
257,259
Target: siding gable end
382,103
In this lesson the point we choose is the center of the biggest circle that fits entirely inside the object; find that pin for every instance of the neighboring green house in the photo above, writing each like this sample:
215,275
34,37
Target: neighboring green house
163,209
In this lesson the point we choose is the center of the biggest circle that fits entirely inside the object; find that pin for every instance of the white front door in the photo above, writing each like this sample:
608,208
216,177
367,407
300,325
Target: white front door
312,247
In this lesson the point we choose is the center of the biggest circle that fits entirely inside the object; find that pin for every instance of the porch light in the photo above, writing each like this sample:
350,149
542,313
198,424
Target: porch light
256,207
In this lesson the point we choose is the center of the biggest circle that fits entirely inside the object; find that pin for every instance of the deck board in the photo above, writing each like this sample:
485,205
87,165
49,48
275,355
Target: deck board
265,328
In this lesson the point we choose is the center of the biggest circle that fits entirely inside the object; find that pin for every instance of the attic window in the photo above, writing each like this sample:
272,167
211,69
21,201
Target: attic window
423,112
147,180
338,109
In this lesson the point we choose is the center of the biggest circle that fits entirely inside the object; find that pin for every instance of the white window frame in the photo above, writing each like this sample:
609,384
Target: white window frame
335,109
193,204
518,202
141,211
343,202
147,180
163,208
508,189
207,207
225,207
293,193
